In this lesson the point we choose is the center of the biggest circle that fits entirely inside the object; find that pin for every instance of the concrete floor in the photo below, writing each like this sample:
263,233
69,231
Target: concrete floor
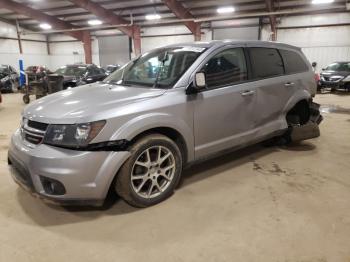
258,204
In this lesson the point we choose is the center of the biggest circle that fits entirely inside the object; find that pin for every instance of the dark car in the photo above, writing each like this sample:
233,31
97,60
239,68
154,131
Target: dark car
8,79
80,74
111,68
336,76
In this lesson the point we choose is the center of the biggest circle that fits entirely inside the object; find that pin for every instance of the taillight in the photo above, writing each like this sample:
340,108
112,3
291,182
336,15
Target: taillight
317,77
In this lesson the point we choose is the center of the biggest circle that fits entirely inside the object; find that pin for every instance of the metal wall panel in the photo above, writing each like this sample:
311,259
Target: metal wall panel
245,33
113,50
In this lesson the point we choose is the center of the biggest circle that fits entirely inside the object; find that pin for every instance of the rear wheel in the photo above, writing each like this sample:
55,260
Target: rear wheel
151,173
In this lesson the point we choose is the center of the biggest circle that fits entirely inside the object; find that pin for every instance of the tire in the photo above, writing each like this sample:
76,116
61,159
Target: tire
26,99
139,176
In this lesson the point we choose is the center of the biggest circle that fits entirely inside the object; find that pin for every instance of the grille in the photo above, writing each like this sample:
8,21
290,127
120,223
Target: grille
33,139
33,131
37,125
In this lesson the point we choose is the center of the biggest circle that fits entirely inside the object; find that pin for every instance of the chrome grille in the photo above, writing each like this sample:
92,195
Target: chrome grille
33,132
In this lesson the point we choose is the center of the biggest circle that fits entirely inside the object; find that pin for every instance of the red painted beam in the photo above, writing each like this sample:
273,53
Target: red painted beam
87,47
270,7
137,40
181,12
104,14
110,17
42,17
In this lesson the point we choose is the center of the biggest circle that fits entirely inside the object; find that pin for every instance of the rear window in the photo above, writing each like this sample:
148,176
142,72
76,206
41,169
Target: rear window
266,62
293,62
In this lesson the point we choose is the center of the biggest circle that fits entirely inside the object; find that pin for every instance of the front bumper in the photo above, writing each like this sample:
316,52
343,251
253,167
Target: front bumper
86,176
339,85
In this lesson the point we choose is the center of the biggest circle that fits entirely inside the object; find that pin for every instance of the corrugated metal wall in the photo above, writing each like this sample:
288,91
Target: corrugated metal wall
323,45
113,50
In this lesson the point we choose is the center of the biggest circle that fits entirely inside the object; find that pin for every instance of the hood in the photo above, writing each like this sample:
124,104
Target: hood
86,103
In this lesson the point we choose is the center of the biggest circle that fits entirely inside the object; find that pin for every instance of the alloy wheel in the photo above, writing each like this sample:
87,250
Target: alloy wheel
153,171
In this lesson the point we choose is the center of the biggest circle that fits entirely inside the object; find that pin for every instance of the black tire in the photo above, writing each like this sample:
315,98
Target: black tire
123,184
26,99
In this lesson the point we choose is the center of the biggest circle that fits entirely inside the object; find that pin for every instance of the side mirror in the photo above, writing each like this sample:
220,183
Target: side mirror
198,84
323,69
199,81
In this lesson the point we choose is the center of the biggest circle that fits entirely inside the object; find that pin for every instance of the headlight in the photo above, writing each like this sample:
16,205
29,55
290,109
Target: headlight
346,79
6,78
74,136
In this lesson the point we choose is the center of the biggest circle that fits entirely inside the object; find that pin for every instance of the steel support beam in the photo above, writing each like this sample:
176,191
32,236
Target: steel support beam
110,17
87,47
181,12
136,37
19,38
270,8
42,17
56,23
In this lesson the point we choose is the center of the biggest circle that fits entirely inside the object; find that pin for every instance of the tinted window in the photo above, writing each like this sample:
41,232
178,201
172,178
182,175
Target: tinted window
266,62
71,70
293,62
339,67
226,68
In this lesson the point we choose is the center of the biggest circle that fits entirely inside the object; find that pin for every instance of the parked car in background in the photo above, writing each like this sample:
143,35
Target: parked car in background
111,68
80,74
336,76
135,131
9,79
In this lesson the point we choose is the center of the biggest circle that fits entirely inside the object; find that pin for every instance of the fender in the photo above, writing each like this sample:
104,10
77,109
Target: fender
299,95
145,122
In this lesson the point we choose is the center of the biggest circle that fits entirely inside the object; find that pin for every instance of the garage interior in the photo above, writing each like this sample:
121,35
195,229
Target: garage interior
277,203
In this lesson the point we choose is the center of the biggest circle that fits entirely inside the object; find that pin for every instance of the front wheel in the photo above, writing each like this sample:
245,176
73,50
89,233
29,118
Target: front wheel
151,173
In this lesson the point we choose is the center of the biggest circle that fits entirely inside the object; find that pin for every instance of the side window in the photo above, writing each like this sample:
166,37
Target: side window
226,68
293,62
266,62
93,71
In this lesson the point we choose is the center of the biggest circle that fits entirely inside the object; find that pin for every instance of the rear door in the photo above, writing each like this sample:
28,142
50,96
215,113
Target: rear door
273,88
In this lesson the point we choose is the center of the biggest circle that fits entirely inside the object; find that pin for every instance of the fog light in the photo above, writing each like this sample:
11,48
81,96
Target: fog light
52,186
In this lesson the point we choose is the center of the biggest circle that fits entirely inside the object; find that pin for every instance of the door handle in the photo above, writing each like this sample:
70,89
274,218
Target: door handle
289,84
248,93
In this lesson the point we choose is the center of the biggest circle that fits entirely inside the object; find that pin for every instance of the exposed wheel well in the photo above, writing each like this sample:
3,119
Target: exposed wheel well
170,133
301,110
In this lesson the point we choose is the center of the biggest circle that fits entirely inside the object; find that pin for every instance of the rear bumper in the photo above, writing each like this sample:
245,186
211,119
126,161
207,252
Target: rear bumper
86,176
311,128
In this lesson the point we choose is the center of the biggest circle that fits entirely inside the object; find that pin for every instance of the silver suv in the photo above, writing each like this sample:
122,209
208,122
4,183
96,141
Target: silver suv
136,131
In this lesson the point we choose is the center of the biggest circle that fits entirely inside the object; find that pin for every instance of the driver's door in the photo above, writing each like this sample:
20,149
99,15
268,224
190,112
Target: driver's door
223,112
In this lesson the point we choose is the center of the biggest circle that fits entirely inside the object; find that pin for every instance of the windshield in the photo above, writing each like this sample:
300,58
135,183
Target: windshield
4,69
158,69
71,70
339,67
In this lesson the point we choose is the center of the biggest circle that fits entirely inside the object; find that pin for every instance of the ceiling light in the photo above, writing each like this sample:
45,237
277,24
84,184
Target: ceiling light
45,26
95,22
225,9
316,2
152,17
